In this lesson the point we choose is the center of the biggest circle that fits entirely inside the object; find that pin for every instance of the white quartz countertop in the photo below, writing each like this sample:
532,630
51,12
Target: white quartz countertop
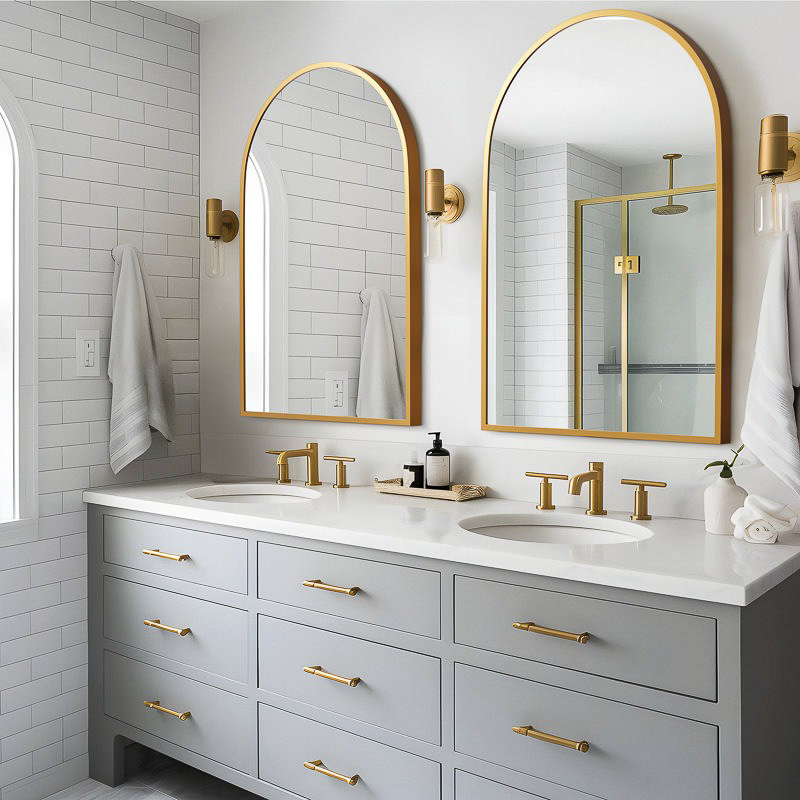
679,559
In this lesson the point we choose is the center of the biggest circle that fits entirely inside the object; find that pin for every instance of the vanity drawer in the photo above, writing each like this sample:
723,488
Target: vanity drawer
471,787
217,637
398,690
219,727
288,741
213,560
666,650
403,598
633,752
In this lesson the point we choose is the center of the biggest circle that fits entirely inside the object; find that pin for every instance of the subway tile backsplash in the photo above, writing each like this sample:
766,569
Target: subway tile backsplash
112,94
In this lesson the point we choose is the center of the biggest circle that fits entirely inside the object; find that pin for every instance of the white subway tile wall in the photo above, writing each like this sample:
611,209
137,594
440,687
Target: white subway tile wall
111,92
339,151
540,187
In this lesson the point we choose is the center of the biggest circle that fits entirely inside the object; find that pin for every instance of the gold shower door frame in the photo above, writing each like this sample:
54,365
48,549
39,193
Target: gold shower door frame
623,200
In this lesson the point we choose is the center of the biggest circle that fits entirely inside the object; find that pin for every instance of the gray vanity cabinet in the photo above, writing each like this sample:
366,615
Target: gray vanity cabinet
290,666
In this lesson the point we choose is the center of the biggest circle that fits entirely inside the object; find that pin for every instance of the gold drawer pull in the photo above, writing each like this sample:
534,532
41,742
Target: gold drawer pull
532,627
170,556
319,672
318,766
156,706
316,583
156,623
527,730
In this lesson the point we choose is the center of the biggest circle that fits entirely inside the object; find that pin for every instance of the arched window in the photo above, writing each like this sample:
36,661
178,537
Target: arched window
17,323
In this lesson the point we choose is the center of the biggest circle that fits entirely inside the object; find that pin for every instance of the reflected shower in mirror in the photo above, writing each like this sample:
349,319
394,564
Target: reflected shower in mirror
329,179
602,251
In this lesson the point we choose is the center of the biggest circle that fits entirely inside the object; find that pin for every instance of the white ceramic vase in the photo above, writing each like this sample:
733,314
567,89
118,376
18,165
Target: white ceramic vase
720,500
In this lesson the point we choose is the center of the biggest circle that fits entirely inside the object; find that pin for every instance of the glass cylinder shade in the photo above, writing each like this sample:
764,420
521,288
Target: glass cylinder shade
435,239
771,207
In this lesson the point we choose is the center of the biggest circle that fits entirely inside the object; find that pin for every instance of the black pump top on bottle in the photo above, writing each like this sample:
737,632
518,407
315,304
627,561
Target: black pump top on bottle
437,449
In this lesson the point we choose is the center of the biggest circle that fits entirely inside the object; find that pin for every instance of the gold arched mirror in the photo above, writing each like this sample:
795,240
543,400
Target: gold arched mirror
329,285
606,255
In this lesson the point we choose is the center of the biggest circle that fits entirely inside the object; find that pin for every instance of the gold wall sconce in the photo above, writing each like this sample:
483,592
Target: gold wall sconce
778,164
444,204
221,226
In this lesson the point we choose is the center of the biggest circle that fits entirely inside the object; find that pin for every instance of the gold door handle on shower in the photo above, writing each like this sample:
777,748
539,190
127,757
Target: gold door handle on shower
320,673
526,730
170,556
156,706
156,623
532,627
316,583
318,766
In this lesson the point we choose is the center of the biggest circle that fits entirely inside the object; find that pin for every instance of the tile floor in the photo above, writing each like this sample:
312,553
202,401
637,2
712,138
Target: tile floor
153,776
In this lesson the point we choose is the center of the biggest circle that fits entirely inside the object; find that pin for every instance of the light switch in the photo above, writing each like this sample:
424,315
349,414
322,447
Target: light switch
87,354
336,391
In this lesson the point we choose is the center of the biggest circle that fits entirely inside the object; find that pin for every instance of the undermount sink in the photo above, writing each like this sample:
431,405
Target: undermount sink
255,494
555,528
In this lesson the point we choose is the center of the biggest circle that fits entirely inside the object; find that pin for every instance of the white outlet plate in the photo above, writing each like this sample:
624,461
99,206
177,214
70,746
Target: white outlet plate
87,354
336,393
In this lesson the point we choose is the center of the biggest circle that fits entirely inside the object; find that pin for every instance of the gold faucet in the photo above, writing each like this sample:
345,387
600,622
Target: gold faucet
595,478
311,452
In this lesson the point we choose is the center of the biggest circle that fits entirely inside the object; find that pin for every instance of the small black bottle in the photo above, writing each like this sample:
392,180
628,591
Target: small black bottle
437,465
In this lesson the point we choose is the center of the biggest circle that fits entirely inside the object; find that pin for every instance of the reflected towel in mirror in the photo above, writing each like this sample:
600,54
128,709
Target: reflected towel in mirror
770,429
139,366
382,380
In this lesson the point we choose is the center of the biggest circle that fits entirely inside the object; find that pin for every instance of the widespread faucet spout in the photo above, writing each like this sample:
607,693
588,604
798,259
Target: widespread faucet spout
576,481
594,477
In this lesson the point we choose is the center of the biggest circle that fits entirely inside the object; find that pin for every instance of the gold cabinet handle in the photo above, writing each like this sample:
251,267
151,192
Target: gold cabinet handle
527,730
319,672
170,556
156,623
532,627
156,706
316,583
318,766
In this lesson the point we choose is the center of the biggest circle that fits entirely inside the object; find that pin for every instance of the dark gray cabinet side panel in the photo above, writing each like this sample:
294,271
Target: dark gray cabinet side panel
403,598
214,560
636,644
217,638
287,740
634,752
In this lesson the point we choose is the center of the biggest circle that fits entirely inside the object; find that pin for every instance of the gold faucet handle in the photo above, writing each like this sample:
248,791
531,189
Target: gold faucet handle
341,470
640,511
283,469
546,488
273,452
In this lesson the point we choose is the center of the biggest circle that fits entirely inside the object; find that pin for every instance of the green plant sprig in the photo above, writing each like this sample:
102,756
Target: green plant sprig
727,468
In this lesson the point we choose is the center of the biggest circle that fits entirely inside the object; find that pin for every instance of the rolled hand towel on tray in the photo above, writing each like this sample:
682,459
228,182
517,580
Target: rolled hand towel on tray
760,520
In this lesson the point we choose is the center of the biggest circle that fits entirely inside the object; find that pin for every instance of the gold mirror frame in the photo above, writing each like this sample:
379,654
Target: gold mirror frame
413,270
722,130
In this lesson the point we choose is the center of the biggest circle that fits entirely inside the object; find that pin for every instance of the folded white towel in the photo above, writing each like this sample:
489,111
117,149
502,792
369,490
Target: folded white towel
381,379
760,520
139,366
770,428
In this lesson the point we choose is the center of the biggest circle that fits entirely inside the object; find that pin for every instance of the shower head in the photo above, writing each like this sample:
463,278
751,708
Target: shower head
671,207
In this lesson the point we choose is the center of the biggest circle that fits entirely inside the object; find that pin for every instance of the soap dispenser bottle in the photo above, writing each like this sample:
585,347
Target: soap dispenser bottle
437,464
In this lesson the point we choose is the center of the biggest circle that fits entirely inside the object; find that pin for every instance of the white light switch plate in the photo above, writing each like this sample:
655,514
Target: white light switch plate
87,354
336,393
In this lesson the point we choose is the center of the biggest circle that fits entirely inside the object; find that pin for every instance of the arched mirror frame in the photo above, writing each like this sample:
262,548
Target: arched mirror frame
408,139
723,241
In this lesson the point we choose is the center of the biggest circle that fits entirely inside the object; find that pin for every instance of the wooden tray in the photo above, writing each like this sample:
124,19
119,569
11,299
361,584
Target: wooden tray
457,492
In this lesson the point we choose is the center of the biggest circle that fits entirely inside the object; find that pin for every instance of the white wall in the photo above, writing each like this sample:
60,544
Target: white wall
449,90
112,95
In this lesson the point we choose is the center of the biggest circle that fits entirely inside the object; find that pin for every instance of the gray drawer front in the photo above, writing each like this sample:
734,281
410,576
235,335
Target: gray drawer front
286,741
214,560
634,753
471,787
403,598
399,690
219,726
662,649
217,641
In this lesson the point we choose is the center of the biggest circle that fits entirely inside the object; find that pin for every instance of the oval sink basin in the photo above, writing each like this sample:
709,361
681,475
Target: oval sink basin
547,528
255,494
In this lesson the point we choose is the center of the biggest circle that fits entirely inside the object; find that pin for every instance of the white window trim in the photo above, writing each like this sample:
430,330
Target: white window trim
26,402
